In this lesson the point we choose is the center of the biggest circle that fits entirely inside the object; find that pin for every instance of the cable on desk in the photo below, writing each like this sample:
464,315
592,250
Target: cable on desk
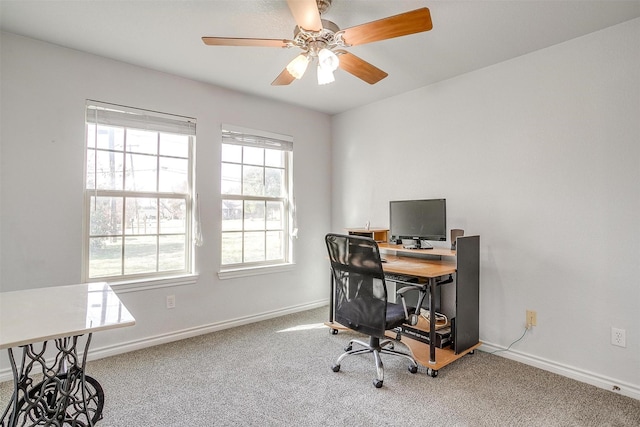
505,349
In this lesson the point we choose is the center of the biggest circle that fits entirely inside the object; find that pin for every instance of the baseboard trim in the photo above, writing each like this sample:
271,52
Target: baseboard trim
614,385
139,344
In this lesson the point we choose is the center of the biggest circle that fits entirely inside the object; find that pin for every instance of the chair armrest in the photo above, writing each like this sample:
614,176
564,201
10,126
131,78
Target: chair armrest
411,287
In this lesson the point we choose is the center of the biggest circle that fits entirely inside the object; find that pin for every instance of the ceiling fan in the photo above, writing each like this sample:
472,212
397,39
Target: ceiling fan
323,40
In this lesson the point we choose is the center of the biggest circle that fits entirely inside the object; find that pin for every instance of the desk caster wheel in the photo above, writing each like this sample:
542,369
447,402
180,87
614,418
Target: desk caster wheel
333,331
413,369
432,372
377,383
335,368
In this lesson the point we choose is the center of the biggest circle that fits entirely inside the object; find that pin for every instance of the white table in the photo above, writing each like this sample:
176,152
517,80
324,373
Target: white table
56,318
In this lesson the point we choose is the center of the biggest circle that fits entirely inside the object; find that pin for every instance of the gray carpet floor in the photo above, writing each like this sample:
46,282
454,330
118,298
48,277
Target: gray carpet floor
277,372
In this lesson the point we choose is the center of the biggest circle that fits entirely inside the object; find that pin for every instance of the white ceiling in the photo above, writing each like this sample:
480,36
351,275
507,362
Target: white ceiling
166,35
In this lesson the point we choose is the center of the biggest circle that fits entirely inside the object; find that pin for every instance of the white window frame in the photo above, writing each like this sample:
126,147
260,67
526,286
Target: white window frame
133,118
242,136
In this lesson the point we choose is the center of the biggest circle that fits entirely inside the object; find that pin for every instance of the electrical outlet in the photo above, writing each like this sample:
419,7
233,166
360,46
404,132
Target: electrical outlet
532,318
171,301
619,337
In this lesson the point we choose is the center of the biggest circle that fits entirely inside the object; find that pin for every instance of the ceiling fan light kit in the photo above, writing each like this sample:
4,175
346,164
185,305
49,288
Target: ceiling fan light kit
323,40
298,65
325,75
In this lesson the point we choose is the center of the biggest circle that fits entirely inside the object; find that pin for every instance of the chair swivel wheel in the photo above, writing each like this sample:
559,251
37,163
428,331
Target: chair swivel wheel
390,346
433,373
333,331
413,369
348,348
377,383
335,368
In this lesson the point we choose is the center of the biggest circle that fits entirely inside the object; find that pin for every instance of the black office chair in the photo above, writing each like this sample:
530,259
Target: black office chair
361,299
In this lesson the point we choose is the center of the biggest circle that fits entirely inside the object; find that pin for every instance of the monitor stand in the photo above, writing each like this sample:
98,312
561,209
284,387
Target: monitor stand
424,244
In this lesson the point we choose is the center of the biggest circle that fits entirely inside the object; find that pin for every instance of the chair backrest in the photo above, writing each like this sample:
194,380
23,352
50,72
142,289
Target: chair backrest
360,292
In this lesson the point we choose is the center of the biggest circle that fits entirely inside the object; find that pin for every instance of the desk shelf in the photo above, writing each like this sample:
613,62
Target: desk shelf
378,234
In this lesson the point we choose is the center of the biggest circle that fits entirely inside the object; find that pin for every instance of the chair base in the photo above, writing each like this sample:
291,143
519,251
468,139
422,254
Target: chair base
376,347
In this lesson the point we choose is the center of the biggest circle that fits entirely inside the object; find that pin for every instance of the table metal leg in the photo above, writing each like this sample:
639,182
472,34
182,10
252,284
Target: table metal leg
64,396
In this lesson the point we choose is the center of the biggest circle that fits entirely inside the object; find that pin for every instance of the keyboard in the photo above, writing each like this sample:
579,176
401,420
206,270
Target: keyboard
400,278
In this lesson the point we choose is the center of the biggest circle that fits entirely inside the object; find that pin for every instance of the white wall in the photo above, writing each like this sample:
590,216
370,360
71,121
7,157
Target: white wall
44,88
540,156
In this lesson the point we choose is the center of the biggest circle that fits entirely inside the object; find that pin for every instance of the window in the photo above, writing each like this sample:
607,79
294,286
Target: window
138,193
256,192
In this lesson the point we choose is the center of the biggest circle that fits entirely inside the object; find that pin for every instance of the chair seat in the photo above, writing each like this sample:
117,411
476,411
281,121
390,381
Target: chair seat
395,315
360,315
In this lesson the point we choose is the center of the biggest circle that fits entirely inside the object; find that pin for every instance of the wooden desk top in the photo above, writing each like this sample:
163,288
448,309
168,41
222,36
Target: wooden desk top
42,314
427,268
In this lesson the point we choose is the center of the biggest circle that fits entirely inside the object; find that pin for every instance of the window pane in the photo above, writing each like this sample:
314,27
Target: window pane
274,182
105,216
231,181
105,256
254,215
231,248
274,245
91,135
254,246
174,174
140,254
172,253
174,145
231,153
253,156
142,141
109,171
109,138
253,181
275,215
141,173
141,215
173,218
274,158
232,215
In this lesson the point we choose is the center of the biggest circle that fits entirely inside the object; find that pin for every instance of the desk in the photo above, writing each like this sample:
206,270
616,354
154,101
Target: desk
62,315
431,265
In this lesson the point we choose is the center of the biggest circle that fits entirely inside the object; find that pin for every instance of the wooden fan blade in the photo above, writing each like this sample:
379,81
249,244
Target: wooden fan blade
360,68
283,79
234,41
306,14
416,21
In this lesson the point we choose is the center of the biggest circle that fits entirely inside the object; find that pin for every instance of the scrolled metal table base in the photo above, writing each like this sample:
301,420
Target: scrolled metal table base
64,396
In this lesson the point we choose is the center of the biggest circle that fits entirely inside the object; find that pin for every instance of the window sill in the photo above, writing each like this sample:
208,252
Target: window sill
153,283
254,271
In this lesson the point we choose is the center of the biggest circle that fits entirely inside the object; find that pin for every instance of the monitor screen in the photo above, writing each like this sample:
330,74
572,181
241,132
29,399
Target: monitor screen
418,219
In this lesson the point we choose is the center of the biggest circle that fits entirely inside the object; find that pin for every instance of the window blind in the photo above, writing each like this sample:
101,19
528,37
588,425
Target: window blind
243,136
117,115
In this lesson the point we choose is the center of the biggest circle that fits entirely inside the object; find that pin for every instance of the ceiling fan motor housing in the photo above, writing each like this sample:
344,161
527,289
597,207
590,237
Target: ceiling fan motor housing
312,41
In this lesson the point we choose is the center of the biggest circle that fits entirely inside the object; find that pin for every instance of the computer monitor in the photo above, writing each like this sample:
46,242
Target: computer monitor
418,219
